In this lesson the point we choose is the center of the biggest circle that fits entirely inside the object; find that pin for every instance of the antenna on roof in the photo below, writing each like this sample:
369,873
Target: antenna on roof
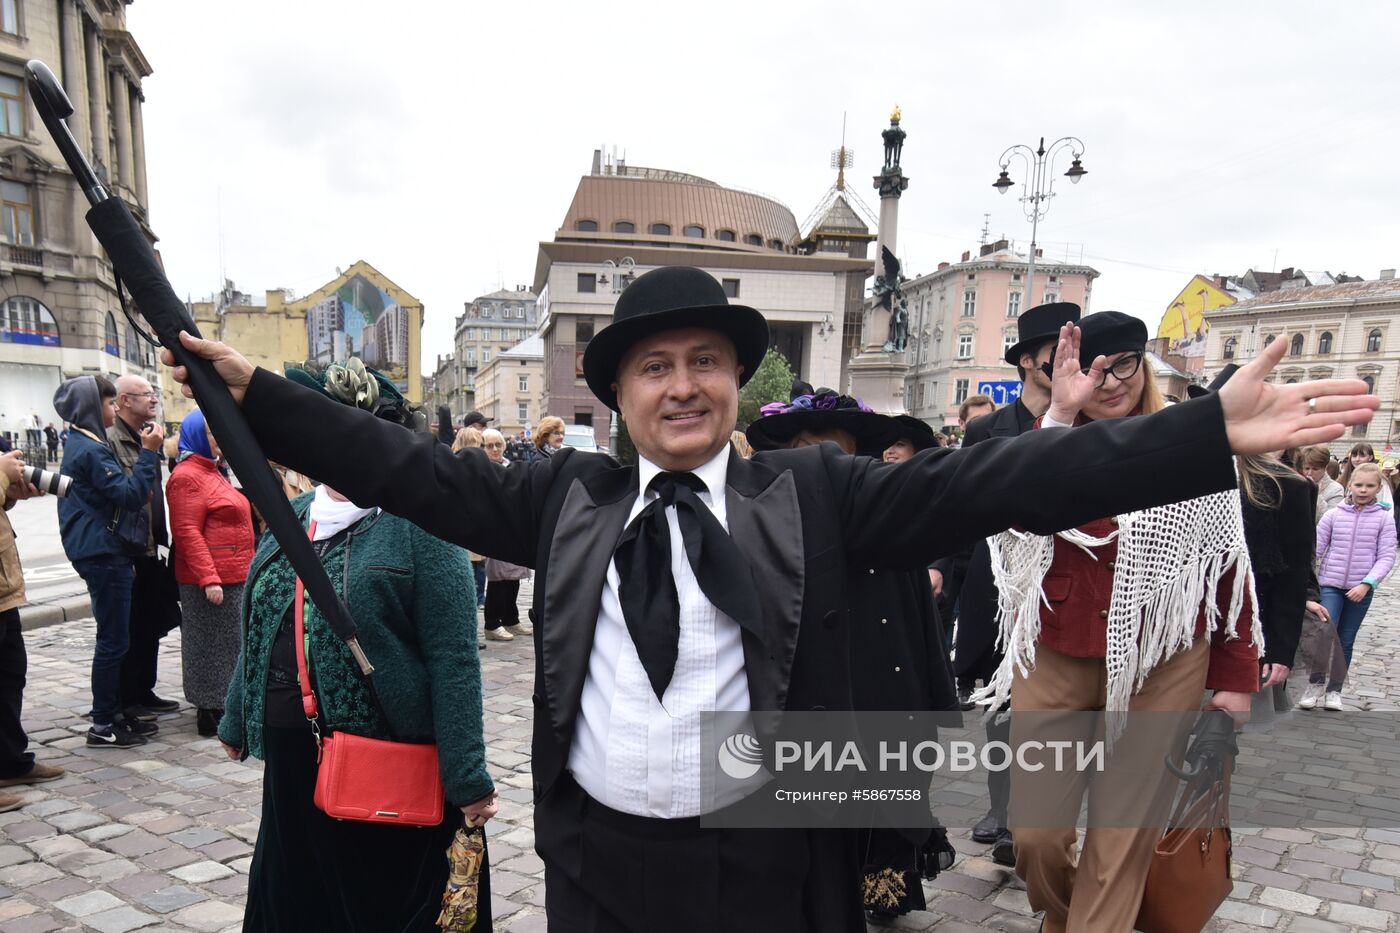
986,228
842,158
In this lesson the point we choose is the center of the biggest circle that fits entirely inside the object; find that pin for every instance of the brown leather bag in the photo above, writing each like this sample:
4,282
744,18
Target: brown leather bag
1190,874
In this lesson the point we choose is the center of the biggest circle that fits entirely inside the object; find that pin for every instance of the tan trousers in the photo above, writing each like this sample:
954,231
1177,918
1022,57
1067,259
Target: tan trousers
1102,891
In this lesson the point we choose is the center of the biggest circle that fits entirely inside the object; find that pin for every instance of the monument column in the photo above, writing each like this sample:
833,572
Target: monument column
878,371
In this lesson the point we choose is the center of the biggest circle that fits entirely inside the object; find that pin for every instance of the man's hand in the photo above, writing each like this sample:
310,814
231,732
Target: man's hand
1260,417
478,813
1236,704
215,594
232,753
1273,674
935,578
1358,592
1319,610
152,436
231,366
12,465
1071,387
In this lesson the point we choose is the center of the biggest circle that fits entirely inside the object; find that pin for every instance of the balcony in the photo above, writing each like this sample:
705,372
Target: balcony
25,256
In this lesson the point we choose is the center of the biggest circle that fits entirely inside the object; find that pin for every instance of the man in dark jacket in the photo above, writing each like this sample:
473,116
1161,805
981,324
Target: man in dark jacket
969,573
100,495
628,606
154,607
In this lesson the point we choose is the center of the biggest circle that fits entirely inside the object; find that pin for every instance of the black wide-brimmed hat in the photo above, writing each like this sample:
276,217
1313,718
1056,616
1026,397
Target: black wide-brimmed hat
916,432
671,298
823,410
1230,369
1039,324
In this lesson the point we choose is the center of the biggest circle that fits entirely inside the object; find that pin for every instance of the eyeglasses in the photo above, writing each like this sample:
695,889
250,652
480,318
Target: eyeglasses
1123,368
141,394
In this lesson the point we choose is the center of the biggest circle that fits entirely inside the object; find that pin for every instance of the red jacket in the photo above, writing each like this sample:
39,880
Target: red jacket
1078,588
210,523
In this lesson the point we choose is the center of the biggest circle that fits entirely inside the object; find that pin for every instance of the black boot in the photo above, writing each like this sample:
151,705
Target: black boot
207,721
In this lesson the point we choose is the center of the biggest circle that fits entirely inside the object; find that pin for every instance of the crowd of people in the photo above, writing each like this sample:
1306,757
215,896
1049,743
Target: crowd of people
827,557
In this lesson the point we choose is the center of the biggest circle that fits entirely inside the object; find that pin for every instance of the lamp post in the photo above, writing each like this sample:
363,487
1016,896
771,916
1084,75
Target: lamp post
1038,186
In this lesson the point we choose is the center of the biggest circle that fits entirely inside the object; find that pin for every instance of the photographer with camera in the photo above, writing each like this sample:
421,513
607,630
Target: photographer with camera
155,606
103,524
17,765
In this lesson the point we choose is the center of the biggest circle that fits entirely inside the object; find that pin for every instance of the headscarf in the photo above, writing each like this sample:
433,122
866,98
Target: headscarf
194,437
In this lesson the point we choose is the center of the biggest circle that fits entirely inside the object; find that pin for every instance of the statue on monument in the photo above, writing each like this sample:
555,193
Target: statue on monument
890,296
894,143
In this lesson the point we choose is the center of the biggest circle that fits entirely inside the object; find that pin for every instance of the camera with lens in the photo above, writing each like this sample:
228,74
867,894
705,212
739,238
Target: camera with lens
55,484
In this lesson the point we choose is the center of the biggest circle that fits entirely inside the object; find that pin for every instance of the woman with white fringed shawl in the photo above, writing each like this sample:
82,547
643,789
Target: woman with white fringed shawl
1139,613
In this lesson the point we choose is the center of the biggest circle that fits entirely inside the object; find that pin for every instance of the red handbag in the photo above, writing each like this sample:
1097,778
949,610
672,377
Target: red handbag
364,779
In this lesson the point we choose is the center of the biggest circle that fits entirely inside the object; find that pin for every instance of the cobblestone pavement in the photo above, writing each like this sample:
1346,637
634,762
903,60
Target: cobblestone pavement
160,837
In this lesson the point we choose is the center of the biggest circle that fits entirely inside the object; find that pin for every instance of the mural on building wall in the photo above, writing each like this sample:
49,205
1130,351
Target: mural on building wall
360,319
1184,322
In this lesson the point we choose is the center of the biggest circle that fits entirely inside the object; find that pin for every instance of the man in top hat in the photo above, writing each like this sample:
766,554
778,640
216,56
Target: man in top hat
968,574
681,584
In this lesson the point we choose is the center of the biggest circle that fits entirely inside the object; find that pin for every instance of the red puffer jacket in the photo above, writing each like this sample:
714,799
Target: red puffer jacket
210,523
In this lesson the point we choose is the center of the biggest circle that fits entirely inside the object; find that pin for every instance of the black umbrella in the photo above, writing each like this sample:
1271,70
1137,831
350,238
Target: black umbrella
135,263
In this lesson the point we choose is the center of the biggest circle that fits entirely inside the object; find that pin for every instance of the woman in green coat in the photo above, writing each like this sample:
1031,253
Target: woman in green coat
405,592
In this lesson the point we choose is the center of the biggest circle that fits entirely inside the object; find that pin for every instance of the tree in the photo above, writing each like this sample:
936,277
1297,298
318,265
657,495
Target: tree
772,382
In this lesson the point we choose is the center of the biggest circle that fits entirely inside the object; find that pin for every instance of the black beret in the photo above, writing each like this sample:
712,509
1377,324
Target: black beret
1105,333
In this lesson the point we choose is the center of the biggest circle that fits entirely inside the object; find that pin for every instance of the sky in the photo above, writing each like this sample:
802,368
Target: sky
442,141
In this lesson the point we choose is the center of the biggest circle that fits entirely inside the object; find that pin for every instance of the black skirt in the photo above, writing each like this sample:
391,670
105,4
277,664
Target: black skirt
311,872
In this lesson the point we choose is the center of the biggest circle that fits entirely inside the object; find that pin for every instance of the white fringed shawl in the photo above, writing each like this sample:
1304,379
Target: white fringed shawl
1170,562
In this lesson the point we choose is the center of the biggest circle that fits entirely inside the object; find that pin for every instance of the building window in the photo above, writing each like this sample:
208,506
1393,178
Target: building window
11,105
660,229
27,321
586,226
1295,348
1359,431
725,235
587,284
972,276
522,412
471,356
695,230
133,347
485,355
1013,304
1373,341
731,287
1370,384
1324,343
583,332
753,239
775,244
1052,297
1007,342
1231,344
1269,339
964,346
969,303
109,336
524,383
624,226
9,17
584,419
18,208
959,391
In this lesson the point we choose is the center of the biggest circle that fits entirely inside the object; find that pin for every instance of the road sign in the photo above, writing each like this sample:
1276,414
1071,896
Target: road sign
1003,393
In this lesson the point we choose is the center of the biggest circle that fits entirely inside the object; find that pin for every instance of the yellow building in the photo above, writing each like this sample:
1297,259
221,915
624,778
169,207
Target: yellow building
1184,321
358,313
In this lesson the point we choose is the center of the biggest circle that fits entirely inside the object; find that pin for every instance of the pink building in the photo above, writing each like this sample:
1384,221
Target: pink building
962,318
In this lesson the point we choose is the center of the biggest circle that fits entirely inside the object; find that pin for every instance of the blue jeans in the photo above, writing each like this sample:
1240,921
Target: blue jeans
108,581
1346,615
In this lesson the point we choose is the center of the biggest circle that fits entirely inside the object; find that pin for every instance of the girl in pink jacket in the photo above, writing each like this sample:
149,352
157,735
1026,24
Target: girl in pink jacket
1355,551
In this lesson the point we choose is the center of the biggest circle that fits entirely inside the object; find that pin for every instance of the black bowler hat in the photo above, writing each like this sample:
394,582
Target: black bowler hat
670,298
822,410
916,432
1039,324
1215,384
1105,333
475,417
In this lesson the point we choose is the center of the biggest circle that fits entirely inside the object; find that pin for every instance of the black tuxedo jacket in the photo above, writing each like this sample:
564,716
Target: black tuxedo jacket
802,517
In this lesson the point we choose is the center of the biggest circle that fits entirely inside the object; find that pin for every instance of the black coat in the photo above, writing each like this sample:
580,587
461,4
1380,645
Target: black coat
804,518
898,661
971,570
1281,543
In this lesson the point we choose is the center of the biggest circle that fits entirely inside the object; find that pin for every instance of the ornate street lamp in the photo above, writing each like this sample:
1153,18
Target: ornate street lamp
1038,186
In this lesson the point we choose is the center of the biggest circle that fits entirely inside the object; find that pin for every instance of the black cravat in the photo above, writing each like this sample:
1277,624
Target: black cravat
650,605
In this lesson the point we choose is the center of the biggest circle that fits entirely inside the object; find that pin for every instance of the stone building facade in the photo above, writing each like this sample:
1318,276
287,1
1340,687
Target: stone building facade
1345,331
59,313
509,388
488,325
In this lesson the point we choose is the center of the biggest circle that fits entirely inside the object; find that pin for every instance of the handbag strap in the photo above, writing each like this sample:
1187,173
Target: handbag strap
308,698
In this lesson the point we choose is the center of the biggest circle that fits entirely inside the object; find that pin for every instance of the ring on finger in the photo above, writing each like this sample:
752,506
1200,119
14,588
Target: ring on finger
1312,405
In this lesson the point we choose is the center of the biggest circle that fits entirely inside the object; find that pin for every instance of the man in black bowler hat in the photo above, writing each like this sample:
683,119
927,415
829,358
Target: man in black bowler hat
697,581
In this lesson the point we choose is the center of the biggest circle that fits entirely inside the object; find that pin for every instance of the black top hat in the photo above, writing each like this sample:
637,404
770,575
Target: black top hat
475,417
821,410
916,432
1215,384
670,298
1039,324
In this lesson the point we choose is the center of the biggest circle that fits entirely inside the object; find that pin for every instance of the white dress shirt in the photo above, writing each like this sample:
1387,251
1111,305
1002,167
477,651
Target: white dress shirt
631,752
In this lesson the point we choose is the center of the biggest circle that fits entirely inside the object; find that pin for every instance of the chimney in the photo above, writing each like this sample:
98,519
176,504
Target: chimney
1000,245
967,256
942,266
1387,275
1039,253
597,162
987,249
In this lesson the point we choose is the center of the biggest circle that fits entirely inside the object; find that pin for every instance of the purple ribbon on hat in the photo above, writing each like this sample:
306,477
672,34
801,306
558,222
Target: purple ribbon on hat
827,401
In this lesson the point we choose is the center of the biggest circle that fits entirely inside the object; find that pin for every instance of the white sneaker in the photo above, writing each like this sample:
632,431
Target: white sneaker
1333,701
1311,696
499,634
521,628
